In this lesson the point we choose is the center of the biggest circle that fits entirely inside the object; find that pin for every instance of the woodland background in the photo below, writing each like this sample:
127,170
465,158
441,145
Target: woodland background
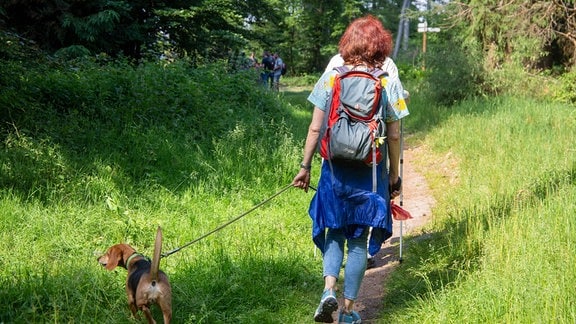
536,34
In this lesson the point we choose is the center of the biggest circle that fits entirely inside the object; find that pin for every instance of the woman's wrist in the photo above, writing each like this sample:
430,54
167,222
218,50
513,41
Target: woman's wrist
396,186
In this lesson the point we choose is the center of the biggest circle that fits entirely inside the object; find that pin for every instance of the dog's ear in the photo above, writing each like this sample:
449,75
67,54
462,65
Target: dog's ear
114,256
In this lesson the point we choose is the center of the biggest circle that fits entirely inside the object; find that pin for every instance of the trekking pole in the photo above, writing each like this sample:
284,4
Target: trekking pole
401,189
374,180
407,99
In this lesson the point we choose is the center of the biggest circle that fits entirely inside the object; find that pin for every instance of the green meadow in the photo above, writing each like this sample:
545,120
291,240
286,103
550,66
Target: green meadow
501,248
94,156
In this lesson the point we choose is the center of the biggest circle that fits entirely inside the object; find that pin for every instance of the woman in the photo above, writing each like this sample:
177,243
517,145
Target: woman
344,199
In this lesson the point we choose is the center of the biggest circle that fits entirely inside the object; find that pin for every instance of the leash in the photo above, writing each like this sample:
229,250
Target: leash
227,223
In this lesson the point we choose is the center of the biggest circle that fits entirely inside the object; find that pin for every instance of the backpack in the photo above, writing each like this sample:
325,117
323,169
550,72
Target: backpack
268,63
284,69
353,125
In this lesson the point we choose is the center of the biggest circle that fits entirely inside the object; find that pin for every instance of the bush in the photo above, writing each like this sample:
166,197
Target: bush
567,90
132,125
452,74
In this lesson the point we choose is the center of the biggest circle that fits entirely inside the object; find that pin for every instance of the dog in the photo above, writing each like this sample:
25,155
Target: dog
145,283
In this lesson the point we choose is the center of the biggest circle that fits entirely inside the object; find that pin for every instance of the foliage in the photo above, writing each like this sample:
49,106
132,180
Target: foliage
88,105
567,91
209,31
205,30
450,75
100,26
17,48
503,193
305,33
504,31
480,51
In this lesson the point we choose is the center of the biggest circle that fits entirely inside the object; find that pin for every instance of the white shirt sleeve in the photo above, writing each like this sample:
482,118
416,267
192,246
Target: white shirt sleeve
390,67
335,61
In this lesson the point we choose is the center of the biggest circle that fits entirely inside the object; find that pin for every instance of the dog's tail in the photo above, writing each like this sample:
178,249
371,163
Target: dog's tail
156,257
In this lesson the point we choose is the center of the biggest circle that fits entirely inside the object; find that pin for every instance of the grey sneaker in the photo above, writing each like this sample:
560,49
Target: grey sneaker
328,304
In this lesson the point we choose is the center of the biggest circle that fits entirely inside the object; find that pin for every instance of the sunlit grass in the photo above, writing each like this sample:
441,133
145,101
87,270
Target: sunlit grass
501,248
71,190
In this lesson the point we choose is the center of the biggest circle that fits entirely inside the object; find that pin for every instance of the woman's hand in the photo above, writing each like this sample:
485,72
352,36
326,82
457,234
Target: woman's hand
302,179
395,187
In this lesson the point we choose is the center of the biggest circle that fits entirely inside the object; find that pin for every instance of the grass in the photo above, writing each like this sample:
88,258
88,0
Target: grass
100,172
138,148
501,248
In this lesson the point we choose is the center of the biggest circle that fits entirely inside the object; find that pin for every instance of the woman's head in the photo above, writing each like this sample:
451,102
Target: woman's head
365,41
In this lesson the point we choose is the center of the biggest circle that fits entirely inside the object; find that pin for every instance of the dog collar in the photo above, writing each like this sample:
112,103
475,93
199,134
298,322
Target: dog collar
135,254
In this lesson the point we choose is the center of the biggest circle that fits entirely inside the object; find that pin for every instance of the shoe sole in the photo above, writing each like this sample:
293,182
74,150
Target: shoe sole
327,307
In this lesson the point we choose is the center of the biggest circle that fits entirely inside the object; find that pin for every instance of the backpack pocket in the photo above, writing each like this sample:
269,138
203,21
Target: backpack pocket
350,140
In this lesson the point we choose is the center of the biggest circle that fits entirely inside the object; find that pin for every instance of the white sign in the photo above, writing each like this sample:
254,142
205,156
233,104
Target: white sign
429,29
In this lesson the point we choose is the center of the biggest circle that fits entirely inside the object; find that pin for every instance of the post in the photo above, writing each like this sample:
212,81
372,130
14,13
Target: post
423,51
423,28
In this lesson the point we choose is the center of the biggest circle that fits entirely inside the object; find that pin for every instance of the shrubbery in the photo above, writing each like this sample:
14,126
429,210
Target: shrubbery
125,125
567,91
451,74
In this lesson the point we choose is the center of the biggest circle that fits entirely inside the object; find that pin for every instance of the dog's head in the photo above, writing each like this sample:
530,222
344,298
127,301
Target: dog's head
117,255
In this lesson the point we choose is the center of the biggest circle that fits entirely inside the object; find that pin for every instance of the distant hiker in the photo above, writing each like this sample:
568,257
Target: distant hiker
253,61
267,69
278,66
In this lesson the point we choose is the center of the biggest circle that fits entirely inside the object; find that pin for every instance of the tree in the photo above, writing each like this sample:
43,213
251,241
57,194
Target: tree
322,22
202,29
304,32
100,25
532,34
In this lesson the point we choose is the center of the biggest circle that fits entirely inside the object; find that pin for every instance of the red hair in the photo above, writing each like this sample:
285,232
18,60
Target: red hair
365,41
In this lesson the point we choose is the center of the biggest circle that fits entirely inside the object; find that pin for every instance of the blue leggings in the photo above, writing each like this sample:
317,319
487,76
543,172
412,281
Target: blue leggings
355,262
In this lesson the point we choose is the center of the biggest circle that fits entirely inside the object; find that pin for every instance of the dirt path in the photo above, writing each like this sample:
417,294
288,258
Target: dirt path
418,201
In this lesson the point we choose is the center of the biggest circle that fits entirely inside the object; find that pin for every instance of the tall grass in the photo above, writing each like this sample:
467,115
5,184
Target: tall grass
100,156
502,246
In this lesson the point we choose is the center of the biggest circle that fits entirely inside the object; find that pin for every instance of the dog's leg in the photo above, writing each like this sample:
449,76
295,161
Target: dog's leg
166,307
134,311
148,314
132,303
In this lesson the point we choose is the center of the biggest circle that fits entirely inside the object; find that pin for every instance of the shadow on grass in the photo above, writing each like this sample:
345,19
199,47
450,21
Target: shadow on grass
252,290
434,260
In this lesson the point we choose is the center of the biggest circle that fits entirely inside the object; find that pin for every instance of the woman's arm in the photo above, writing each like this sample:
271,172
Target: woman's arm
393,138
302,179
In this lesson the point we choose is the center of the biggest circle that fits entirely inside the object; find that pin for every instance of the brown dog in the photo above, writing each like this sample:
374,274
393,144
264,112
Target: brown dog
145,284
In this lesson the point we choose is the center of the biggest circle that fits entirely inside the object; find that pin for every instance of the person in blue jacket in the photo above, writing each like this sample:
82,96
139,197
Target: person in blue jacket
344,208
